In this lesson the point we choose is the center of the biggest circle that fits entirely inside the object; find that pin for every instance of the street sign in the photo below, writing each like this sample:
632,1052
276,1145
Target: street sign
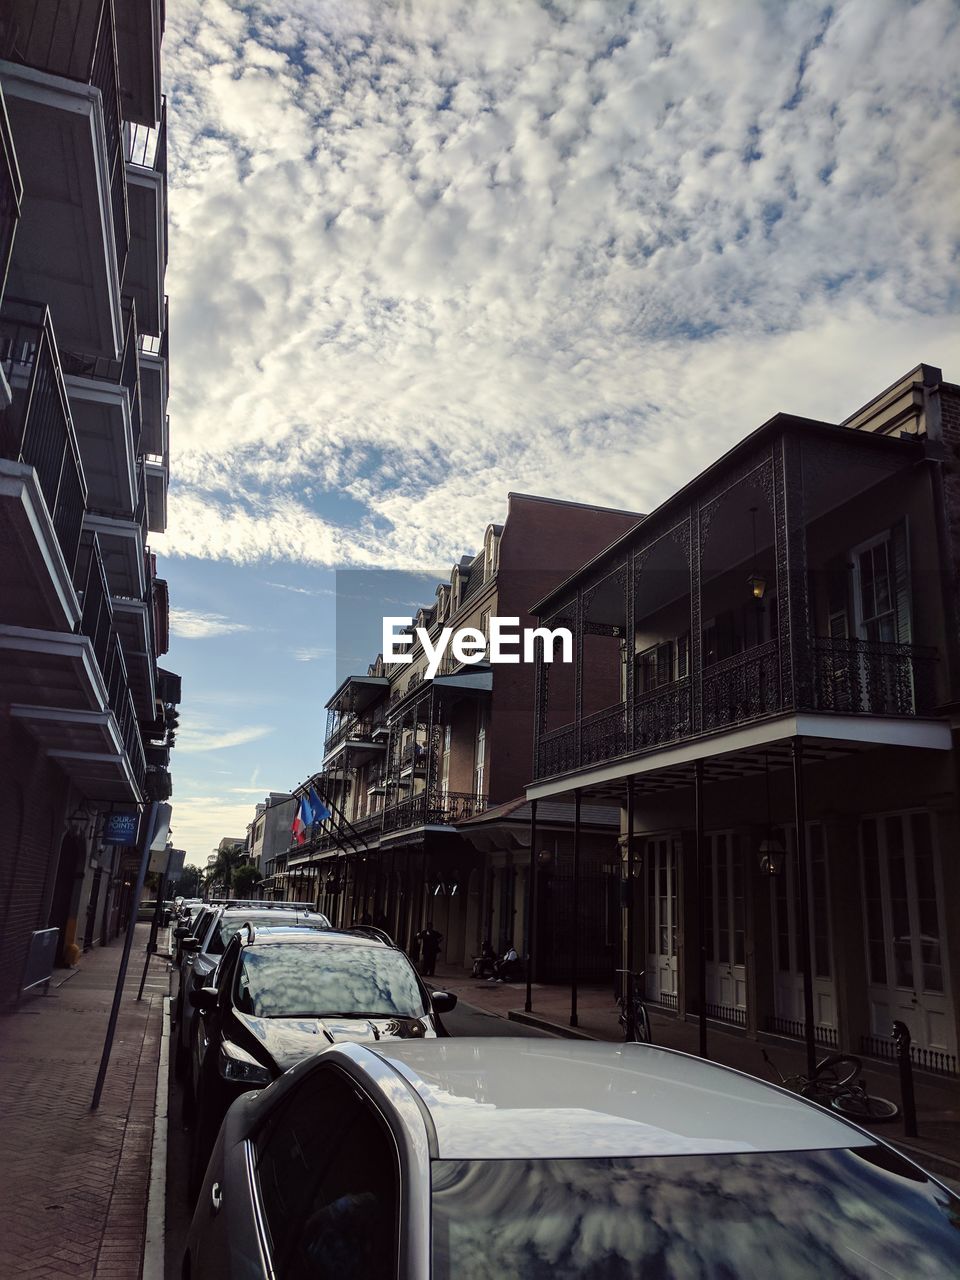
121,828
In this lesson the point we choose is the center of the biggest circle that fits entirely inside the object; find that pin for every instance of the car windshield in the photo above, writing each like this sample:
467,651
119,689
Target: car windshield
857,1213
287,980
230,924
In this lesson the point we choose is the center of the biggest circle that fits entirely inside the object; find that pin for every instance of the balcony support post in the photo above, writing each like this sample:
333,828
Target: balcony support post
629,644
575,939
701,912
791,557
631,894
578,681
809,1029
531,907
696,627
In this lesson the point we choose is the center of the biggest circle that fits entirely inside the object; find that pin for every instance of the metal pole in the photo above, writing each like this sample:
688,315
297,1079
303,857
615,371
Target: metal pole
150,828
154,926
531,907
809,1030
701,893
628,963
575,952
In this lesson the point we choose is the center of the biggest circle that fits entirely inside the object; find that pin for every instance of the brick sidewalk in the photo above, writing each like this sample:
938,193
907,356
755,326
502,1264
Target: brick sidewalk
938,1098
73,1183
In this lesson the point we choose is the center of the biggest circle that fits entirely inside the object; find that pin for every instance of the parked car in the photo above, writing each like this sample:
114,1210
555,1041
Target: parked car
282,994
469,1158
201,951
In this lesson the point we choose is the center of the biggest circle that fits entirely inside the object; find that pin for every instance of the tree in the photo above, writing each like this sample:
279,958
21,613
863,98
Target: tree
188,882
245,880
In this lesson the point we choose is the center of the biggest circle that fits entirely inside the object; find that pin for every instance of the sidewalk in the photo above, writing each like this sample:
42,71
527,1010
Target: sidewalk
73,1183
938,1097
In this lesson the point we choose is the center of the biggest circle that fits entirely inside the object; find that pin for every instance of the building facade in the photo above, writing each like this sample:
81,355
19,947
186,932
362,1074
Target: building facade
87,717
766,684
412,763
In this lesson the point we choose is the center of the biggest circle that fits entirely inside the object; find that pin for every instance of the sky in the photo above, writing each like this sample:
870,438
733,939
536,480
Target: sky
425,253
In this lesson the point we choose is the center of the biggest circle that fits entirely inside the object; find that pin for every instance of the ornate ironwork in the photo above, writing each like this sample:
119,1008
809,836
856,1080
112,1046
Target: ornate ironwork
662,715
851,676
743,687
557,752
603,735
433,808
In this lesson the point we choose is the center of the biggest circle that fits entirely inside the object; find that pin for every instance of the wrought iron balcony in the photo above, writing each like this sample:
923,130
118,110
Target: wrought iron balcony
76,41
433,808
124,372
97,624
848,677
11,194
37,428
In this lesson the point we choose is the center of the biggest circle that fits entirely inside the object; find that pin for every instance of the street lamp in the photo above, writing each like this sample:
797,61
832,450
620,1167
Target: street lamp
756,581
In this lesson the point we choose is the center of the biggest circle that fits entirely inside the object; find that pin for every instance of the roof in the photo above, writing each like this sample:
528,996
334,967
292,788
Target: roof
779,423
492,1098
550,813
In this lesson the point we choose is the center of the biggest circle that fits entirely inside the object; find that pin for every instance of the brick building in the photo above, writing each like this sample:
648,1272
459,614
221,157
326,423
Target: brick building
86,715
417,769
784,641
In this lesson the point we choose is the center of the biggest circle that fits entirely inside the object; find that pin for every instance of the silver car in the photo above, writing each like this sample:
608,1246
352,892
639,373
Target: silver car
463,1159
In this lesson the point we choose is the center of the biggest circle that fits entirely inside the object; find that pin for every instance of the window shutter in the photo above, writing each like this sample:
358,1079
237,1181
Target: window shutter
900,549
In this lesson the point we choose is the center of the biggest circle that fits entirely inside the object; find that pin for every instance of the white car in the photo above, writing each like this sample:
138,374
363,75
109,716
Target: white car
464,1159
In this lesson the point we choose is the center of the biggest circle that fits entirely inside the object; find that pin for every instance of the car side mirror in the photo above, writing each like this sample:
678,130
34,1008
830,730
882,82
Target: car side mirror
190,943
204,998
443,1001
180,931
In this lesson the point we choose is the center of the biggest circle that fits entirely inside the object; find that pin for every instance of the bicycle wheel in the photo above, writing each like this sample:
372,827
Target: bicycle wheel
857,1104
818,1091
838,1069
642,1025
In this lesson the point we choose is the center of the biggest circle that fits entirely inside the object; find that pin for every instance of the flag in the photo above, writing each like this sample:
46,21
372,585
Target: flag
320,810
306,818
296,827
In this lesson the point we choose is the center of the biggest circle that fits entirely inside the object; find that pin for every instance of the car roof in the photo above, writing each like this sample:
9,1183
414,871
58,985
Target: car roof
268,933
511,1098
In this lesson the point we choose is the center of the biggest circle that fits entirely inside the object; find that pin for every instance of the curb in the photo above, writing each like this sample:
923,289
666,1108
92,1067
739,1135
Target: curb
555,1028
154,1247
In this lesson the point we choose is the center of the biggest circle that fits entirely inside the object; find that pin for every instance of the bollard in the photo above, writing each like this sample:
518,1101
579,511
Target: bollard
901,1036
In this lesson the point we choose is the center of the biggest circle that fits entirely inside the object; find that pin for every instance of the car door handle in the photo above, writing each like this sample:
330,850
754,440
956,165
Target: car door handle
216,1197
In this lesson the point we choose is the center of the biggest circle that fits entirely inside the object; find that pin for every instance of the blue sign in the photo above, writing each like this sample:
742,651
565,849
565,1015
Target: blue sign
121,828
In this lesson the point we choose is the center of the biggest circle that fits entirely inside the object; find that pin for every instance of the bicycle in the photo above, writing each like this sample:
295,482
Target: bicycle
836,1084
633,1015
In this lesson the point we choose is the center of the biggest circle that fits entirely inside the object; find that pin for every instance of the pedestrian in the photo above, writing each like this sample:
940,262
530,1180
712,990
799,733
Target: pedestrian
507,968
430,948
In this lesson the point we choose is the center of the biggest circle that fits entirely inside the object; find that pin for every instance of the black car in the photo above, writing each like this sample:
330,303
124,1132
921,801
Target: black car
283,994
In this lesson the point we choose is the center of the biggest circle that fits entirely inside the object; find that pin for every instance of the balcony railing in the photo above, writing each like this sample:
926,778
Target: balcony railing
157,346
11,194
433,808
37,429
147,149
124,372
97,624
847,676
76,41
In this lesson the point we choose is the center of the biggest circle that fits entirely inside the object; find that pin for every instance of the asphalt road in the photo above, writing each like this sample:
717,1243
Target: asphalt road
467,1021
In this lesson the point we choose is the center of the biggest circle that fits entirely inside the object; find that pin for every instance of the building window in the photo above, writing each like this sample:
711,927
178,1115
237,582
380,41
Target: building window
479,775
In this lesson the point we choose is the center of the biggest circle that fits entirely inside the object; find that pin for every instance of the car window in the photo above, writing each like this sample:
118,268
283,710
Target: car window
850,1215
329,1179
230,924
290,979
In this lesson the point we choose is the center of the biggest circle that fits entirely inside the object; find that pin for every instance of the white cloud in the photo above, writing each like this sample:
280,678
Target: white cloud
449,250
196,736
307,654
190,625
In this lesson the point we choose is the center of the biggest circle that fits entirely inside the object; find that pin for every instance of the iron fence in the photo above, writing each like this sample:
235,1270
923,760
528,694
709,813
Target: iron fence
935,1060
433,808
796,1030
